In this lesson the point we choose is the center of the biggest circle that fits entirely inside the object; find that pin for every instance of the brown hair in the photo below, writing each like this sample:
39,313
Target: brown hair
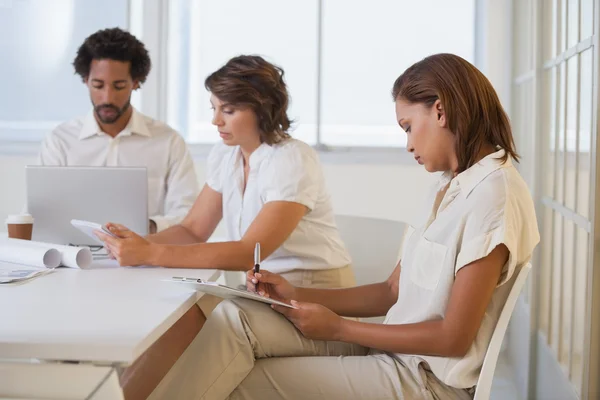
251,81
472,107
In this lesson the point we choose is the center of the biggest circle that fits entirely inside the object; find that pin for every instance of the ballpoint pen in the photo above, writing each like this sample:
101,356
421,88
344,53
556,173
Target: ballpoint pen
257,258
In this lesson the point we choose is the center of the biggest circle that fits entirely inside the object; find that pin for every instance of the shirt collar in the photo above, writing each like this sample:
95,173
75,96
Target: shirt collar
472,176
136,125
257,155
260,154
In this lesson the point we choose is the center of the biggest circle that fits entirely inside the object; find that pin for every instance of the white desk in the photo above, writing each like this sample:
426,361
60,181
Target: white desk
107,315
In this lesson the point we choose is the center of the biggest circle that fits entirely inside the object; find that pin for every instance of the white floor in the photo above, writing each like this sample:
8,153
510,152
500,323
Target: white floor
503,387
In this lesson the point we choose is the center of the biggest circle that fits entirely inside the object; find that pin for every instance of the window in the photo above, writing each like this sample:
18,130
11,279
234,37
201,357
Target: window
340,58
203,35
38,41
339,71
563,108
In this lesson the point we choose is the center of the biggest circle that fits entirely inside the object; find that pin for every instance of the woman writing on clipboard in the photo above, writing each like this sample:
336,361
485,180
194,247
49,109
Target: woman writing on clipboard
442,300
265,186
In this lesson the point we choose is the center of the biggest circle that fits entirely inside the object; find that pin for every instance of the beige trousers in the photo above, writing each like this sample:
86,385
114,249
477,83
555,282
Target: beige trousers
321,278
246,350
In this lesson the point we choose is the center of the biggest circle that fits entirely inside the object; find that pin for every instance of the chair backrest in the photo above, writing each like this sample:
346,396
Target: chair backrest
373,244
484,384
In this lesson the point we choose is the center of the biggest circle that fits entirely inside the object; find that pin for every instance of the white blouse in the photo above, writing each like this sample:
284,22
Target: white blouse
486,205
287,171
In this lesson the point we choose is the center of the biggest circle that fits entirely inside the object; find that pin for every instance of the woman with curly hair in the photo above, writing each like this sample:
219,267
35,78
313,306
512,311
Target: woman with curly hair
265,186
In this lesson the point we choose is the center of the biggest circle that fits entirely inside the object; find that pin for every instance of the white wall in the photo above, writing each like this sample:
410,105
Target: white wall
385,190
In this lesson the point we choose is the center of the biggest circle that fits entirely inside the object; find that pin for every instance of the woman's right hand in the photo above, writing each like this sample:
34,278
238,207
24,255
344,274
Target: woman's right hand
270,285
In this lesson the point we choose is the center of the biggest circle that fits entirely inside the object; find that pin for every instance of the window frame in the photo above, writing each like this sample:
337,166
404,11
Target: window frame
148,19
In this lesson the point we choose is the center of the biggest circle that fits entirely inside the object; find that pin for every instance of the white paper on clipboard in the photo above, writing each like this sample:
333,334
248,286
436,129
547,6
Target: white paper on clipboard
223,291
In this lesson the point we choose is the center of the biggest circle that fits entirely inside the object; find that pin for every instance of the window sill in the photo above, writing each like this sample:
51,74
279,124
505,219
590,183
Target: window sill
338,155
18,148
328,155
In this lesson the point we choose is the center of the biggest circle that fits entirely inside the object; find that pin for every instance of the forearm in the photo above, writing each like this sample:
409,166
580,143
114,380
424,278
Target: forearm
361,301
229,256
433,338
167,220
177,234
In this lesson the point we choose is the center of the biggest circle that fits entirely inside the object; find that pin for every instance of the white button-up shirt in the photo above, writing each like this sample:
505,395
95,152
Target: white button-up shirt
288,171
487,205
145,142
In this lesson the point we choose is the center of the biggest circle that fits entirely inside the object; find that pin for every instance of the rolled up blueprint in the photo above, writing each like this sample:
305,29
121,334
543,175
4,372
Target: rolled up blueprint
22,252
26,251
75,257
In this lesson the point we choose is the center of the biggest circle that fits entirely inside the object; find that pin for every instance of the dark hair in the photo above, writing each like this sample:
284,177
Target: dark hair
113,44
251,81
471,104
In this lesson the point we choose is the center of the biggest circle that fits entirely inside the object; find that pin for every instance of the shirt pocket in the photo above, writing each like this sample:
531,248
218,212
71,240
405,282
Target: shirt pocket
427,263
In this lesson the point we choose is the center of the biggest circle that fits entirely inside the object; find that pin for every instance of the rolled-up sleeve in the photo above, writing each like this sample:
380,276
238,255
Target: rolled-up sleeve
499,222
294,174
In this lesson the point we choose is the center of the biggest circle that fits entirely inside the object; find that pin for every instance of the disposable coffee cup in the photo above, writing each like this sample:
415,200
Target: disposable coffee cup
20,226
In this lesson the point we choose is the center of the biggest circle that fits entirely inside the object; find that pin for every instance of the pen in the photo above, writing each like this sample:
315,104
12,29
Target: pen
257,258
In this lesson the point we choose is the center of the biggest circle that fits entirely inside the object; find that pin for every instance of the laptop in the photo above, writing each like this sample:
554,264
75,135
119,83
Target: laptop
56,195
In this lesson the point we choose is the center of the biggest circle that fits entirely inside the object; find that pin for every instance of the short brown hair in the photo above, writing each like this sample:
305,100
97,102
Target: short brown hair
471,104
253,82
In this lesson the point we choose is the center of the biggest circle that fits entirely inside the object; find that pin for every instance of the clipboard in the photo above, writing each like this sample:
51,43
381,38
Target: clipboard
225,292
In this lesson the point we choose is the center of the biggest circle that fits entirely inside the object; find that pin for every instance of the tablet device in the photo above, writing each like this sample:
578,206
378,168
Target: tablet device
223,291
88,228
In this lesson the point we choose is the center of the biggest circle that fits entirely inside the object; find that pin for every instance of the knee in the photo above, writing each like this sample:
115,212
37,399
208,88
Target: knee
225,309
237,312
234,309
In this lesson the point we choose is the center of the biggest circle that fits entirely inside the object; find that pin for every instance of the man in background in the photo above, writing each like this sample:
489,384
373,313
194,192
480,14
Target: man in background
113,63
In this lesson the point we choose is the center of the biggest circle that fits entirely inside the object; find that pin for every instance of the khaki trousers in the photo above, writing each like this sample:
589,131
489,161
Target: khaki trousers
246,350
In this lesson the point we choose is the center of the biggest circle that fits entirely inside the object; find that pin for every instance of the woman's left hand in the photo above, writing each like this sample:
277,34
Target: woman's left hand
313,320
129,249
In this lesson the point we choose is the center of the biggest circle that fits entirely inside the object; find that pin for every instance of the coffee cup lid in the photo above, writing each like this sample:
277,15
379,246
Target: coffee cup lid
19,219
